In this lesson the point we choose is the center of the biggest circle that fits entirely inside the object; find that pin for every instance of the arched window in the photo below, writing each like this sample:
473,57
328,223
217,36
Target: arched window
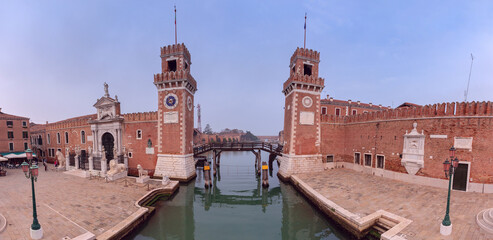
58,138
66,137
139,134
48,139
40,140
83,137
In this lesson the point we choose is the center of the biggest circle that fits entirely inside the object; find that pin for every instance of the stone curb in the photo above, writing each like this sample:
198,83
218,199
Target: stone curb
4,221
352,222
139,216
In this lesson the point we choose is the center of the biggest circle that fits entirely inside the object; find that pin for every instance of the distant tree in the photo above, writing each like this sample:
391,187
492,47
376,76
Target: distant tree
248,137
229,139
224,140
211,140
218,139
208,129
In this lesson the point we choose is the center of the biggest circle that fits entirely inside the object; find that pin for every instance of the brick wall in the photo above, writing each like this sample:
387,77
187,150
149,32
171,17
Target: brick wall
382,133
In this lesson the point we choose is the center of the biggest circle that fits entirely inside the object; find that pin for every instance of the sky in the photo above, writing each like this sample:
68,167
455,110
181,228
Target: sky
56,55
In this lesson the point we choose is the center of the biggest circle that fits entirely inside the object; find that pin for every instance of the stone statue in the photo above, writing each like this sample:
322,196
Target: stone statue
114,153
106,94
60,158
149,143
115,168
142,172
89,150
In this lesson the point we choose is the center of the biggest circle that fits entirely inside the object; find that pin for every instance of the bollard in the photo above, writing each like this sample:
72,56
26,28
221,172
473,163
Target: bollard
207,175
265,175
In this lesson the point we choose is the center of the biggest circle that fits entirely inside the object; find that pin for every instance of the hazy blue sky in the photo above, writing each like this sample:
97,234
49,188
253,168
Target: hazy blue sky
56,55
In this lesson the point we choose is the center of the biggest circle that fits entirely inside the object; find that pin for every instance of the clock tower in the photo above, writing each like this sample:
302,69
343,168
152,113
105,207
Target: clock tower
301,152
176,88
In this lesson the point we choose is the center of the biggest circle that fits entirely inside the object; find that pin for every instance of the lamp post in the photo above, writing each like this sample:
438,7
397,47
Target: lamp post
31,171
448,168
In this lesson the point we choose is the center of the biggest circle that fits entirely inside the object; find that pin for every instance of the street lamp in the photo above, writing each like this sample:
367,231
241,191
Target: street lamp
31,171
448,168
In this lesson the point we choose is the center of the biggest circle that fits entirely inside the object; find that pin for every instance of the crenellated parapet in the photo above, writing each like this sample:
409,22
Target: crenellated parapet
176,49
300,79
453,109
305,53
181,78
71,123
140,116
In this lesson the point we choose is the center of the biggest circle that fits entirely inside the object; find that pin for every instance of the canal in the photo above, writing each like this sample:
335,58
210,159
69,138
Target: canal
237,207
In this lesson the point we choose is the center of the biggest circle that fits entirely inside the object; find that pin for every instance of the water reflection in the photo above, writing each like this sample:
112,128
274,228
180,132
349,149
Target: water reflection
237,207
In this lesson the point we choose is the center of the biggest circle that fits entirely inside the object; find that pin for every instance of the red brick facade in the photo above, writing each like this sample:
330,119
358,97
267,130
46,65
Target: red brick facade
381,133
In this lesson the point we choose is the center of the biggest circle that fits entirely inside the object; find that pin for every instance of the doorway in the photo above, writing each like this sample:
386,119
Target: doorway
108,144
460,177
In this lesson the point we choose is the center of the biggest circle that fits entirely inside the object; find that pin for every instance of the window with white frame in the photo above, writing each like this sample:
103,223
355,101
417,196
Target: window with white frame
324,110
355,111
11,147
130,155
24,124
26,146
83,137
380,161
338,111
139,134
367,159
357,157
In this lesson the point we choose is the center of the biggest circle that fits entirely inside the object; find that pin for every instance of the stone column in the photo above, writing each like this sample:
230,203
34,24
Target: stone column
67,162
104,166
76,161
91,163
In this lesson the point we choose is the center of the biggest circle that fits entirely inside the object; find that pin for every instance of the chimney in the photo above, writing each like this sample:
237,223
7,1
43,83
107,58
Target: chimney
0,110
327,96
359,102
349,101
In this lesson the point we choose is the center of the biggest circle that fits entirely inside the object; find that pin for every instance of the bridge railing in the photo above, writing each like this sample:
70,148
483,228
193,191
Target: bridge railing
238,146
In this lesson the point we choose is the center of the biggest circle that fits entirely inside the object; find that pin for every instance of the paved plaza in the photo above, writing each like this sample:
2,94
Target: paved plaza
68,206
364,194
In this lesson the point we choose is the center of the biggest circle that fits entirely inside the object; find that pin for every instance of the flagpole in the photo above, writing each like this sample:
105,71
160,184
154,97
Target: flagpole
304,40
176,38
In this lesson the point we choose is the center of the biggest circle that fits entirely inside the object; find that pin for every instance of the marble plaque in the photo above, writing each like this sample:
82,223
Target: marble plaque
170,117
90,138
463,143
307,118
438,136
150,150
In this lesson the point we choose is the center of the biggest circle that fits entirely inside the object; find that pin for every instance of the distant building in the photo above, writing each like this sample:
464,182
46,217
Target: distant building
14,133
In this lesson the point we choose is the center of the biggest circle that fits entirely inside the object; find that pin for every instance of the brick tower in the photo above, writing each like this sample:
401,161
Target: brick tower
302,90
176,89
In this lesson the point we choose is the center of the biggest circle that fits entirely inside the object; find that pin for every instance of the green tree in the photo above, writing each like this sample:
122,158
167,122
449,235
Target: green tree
208,129
229,139
248,137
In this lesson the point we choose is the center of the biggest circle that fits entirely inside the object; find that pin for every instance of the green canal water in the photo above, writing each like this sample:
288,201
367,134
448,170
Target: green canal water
237,207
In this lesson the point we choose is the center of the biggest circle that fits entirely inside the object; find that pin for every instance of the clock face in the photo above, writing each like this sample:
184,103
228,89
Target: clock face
170,101
189,103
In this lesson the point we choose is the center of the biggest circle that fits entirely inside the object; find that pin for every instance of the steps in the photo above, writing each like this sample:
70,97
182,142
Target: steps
78,173
485,220
383,224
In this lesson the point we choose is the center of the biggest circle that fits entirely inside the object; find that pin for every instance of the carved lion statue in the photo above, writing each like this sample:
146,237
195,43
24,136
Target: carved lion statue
60,159
116,167
142,172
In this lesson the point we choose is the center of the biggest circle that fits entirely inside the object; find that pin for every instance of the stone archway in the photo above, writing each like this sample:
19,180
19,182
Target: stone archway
108,142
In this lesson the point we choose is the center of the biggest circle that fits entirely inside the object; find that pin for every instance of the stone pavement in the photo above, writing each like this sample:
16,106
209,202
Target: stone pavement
364,194
67,206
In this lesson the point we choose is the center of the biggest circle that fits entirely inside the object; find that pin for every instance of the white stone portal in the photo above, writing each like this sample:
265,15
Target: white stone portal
180,167
413,151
